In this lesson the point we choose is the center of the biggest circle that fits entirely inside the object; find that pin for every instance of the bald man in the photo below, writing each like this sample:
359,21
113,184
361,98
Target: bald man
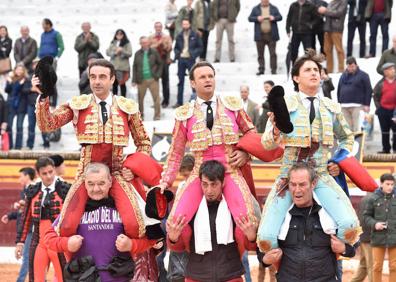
86,43
389,56
25,48
248,105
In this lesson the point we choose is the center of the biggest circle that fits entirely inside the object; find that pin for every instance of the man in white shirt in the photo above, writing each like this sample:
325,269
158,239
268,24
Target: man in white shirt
211,126
318,122
44,202
248,105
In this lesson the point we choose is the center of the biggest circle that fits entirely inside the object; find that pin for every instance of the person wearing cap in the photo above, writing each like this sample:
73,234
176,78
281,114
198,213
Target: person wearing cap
388,56
354,93
385,103
60,166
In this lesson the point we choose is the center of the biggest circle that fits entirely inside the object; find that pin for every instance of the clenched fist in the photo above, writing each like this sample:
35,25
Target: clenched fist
123,243
74,243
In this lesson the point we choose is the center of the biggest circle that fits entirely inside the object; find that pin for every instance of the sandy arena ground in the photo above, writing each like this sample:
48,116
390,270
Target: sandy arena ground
9,273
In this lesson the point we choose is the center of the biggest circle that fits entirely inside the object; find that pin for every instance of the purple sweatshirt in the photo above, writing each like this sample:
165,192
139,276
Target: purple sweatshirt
100,229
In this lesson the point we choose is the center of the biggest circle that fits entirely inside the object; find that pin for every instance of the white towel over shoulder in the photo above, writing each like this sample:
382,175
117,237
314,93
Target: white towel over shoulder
224,227
328,224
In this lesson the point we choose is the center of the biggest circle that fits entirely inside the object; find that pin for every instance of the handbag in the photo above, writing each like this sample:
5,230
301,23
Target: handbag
5,65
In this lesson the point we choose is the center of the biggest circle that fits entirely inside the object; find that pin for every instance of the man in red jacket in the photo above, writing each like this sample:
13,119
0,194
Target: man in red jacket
385,102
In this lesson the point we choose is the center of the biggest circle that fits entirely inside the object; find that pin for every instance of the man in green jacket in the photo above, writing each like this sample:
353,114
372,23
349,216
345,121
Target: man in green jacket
86,43
147,69
380,216
389,56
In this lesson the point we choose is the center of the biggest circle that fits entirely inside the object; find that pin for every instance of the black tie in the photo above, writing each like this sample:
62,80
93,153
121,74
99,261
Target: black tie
209,115
47,199
104,111
312,110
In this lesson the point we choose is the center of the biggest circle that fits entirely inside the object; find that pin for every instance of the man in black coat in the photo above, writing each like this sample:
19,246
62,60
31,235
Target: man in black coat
317,28
306,252
300,21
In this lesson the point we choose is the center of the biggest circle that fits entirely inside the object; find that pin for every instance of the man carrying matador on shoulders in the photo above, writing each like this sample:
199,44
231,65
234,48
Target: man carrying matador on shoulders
102,123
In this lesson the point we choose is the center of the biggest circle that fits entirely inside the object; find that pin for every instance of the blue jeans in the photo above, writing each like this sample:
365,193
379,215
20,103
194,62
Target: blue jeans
32,125
25,259
182,65
32,128
339,270
245,262
378,19
19,126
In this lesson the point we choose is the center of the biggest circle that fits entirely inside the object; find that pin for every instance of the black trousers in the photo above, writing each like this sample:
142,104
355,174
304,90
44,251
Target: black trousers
205,37
297,38
266,39
386,124
122,87
361,26
320,35
81,70
378,19
165,83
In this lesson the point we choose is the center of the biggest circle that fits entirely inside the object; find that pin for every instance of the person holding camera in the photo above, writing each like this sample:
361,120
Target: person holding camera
380,215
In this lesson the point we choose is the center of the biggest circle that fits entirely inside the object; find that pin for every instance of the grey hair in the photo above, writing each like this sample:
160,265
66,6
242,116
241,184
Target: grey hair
96,168
303,166
244,86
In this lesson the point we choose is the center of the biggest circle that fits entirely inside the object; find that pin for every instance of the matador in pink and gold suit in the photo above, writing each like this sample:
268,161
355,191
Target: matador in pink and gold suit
230,120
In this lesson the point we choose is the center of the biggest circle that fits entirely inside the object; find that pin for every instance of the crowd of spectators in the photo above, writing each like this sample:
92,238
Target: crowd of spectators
183,39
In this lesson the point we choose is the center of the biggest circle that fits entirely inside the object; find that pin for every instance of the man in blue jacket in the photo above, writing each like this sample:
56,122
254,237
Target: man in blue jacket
354,93
187,49
265,17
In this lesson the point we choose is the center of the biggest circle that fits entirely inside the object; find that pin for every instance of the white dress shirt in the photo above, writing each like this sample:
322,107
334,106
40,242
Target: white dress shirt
245,104
109,103
204,106
51,189
307,103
